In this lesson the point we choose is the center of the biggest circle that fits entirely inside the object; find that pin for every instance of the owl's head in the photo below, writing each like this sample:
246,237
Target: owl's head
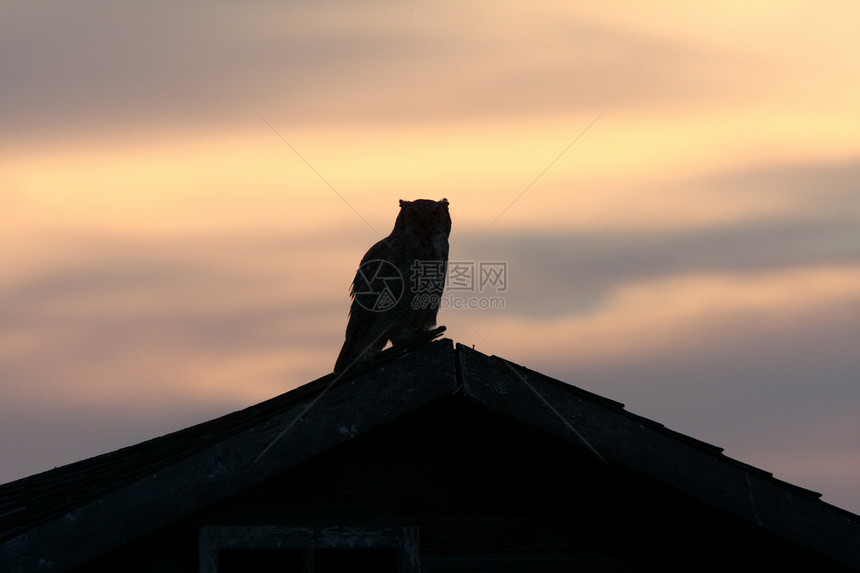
424,217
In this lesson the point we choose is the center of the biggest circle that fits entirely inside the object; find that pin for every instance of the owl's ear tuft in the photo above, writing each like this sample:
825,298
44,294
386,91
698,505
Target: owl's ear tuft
404,203
444,202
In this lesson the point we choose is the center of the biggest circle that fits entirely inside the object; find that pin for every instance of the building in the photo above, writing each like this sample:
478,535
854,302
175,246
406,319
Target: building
441,459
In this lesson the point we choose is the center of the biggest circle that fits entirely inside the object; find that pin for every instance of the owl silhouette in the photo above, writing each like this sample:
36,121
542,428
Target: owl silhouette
398,287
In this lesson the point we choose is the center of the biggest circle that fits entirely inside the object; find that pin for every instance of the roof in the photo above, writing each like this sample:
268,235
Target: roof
174,475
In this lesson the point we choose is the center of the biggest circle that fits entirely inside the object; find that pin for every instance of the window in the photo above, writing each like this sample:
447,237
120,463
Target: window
276,549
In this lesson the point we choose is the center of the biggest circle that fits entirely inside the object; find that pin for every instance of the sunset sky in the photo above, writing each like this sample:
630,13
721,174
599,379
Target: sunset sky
186,190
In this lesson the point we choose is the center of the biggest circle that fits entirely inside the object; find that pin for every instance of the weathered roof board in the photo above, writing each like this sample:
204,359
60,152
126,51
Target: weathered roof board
686,464
118,497
159,481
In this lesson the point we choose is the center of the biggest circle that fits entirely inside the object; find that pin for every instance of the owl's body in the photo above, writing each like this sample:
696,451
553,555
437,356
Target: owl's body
398,288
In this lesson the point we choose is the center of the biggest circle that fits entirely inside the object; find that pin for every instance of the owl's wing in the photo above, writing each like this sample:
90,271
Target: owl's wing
375,290
381,251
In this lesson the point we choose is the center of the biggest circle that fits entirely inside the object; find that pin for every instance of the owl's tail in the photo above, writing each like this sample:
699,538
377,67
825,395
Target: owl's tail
345,357
359,347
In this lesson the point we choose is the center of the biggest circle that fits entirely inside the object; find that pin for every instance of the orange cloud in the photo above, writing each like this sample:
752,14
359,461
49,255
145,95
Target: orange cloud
674,316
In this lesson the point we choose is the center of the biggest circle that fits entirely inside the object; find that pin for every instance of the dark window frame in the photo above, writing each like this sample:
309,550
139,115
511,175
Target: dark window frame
215,538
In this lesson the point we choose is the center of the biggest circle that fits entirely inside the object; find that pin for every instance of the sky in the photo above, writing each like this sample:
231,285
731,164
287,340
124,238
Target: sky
672,192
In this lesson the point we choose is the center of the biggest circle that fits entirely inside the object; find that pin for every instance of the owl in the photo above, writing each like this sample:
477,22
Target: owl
398,287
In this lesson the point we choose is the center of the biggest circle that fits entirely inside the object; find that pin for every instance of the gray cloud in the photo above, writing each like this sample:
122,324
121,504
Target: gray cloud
41,436
158,301
113,66
791,391
783,384
135,338
575,271
143,315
